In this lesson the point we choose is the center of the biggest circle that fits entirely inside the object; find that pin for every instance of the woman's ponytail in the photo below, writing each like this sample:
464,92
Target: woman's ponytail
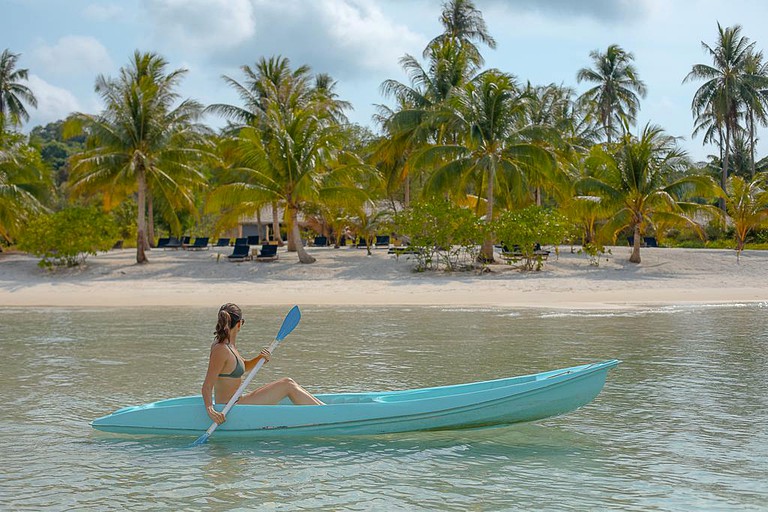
229,315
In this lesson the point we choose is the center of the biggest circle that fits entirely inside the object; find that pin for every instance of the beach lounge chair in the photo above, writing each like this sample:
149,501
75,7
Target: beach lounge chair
241,241
240,253
382,241
173,243
118,245
223,242
254,240
201,243
268,252
361,243
162,242
399,250
511,254
320,241
648,241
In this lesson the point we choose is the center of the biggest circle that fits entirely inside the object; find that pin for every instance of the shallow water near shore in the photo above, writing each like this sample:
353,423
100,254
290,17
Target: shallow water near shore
682,423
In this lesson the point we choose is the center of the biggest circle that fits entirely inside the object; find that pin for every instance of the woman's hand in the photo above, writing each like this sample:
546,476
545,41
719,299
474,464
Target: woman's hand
215,415
266,354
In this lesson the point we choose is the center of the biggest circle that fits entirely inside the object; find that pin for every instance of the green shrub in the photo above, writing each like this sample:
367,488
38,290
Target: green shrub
66,238
531,226
441,234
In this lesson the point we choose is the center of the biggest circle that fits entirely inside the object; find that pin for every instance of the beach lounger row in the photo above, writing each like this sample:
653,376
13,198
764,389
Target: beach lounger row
381,241
268,252
515,252
201,243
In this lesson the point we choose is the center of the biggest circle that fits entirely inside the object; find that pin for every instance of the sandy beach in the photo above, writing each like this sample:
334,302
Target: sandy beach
348,276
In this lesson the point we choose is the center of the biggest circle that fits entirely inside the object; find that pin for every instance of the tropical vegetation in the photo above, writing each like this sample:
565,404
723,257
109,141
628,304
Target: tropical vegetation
461,160
67,237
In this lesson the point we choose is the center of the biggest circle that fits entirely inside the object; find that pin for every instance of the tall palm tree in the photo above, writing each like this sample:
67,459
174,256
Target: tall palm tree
747,206
13,94
632,180
728,84
488,156
290,143
411,124
463,25
270,79
618,85
324,93
143,140
756,100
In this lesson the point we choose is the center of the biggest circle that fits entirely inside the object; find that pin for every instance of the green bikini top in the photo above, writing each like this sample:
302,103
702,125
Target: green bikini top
239,367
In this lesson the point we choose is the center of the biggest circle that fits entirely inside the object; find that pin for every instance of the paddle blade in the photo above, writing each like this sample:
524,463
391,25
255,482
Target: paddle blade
202,439
289,324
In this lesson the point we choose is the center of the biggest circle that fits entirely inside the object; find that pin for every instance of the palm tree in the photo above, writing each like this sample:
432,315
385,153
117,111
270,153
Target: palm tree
13,94
728,84
324,93
24,184
618,86
488,154
271,79
755,100
463,25
290,146
410,125
632,180
746,203
141,142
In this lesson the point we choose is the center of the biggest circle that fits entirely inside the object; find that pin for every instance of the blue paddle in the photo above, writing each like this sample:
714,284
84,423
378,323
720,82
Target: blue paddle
289,324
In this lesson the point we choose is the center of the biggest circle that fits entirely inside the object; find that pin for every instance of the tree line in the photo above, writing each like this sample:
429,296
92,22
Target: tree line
480,138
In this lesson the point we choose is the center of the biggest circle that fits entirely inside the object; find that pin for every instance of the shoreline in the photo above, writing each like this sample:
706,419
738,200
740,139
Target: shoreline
347,277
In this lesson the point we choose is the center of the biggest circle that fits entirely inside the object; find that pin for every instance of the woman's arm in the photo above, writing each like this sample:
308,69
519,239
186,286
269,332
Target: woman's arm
250,364
216,362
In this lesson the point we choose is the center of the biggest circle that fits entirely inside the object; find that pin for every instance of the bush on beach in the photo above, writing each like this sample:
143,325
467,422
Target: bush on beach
441,235
68,237
530,227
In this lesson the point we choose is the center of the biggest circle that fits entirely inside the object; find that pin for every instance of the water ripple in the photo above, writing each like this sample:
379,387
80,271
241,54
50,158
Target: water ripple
682,424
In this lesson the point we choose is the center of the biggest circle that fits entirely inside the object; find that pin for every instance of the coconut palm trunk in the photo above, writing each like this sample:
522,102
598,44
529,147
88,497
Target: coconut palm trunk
486,252
751,144
141,221
276,225
407,198
294,237
150,221
635,257
726,157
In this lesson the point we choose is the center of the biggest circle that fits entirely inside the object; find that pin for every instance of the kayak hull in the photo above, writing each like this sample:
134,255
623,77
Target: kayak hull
476,405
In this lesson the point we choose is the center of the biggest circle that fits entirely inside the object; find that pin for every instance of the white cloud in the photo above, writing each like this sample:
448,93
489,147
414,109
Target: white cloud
53,103
347,38
362,31
104,11
605,10
202,24
74,54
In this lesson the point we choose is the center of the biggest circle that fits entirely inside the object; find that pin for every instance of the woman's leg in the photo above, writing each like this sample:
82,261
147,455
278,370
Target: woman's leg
274,392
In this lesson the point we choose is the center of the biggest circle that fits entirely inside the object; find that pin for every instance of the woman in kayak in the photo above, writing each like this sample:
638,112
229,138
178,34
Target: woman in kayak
226,367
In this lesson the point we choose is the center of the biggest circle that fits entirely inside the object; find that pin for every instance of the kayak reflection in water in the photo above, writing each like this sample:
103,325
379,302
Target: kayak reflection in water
226,367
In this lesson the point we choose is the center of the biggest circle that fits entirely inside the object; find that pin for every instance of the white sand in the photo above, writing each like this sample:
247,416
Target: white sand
348,277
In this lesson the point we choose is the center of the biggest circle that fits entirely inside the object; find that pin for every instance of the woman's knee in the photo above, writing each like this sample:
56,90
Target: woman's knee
288,382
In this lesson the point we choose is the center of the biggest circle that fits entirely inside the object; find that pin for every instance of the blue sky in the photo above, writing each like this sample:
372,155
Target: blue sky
359,42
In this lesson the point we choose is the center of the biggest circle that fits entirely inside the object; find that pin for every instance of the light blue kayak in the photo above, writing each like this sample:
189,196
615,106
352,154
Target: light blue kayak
477,405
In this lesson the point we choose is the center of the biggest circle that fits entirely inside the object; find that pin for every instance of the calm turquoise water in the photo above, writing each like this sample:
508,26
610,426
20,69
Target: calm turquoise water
682,424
